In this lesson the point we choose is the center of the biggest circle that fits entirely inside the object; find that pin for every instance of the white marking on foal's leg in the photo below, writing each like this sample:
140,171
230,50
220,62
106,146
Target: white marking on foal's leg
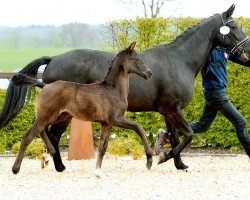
98,173
44,160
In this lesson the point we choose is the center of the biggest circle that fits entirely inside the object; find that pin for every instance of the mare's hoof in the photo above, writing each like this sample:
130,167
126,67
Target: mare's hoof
163,157
178,163
180,166
60,168
15,170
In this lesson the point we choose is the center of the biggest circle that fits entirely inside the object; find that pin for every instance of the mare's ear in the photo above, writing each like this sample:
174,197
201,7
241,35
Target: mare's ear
131,47
230,11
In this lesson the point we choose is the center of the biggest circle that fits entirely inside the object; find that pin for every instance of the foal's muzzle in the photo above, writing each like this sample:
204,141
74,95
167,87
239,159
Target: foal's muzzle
149,74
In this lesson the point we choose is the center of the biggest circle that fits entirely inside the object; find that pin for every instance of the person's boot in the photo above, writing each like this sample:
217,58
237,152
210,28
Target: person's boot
162,139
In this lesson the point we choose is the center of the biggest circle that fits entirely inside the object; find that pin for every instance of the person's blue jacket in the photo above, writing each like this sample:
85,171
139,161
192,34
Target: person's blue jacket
214,73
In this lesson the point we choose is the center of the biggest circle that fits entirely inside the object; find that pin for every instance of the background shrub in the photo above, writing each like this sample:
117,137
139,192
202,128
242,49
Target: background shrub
126,147
34,150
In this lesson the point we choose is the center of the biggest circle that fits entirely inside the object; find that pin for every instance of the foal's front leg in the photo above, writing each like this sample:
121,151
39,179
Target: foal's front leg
105,130
127,124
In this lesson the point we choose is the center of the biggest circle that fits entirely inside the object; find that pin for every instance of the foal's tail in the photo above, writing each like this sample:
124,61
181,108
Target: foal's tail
16,92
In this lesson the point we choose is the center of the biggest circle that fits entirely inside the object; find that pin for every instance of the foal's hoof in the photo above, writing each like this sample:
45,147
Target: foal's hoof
163,157
44,161
15,170
60,168
98,173
149,161
149,165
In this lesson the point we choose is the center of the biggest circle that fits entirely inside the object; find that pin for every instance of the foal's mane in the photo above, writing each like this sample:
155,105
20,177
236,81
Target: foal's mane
110,77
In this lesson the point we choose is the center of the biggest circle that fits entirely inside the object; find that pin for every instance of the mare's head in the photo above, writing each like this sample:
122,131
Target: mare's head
231,36
129,60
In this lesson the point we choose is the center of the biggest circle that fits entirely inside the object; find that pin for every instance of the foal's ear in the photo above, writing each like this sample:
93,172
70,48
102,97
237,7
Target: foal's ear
131,47
230,11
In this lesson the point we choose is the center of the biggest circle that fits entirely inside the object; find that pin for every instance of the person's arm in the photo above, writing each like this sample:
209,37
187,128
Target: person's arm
234,58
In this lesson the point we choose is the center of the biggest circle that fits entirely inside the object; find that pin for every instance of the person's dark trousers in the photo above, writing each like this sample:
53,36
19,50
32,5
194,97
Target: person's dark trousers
214,103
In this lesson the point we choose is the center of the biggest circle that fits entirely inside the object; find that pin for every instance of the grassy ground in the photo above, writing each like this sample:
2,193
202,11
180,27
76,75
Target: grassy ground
12,59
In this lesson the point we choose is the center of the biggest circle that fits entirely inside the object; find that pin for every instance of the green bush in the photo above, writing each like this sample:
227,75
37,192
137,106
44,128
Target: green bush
34,150
126,147
2,147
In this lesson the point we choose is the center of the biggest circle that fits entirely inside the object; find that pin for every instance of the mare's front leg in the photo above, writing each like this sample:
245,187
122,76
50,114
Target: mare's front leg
55,132
35,129
176,118
125,123
105,130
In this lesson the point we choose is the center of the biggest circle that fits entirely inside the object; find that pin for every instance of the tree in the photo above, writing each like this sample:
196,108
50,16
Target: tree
150,8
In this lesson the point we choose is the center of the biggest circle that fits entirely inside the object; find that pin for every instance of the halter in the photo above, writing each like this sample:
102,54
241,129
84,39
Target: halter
238,47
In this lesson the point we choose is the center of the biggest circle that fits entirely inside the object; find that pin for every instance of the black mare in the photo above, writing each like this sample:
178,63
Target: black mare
174,67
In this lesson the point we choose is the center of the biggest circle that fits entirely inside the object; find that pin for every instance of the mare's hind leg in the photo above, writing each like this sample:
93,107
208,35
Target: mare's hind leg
105,130
125,123
176,118
174,141
35,129
55,132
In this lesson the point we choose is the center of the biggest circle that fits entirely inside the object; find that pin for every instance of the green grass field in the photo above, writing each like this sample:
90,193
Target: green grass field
12,59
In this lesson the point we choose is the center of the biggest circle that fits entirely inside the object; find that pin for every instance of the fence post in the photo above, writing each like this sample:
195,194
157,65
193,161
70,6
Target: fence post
81,145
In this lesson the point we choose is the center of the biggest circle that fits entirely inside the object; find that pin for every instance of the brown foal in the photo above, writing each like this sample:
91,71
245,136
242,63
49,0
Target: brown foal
104,102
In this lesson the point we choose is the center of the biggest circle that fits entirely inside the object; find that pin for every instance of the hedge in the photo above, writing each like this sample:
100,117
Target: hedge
149,33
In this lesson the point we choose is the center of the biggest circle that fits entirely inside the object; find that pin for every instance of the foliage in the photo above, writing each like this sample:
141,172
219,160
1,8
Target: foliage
34,150
125,146
147,32
2,147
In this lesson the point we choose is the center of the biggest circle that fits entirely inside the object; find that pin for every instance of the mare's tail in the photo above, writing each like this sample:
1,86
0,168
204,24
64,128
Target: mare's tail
16,93
23,79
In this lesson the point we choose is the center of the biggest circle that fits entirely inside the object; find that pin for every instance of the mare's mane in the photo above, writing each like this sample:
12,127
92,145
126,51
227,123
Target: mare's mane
185,34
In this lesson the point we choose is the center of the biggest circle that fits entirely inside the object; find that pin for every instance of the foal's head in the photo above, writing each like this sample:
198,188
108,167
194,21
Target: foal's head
129,60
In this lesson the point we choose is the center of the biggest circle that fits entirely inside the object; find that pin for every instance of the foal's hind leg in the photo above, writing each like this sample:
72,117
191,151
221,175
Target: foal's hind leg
125,123
35,129
50,149
103,146
55,132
